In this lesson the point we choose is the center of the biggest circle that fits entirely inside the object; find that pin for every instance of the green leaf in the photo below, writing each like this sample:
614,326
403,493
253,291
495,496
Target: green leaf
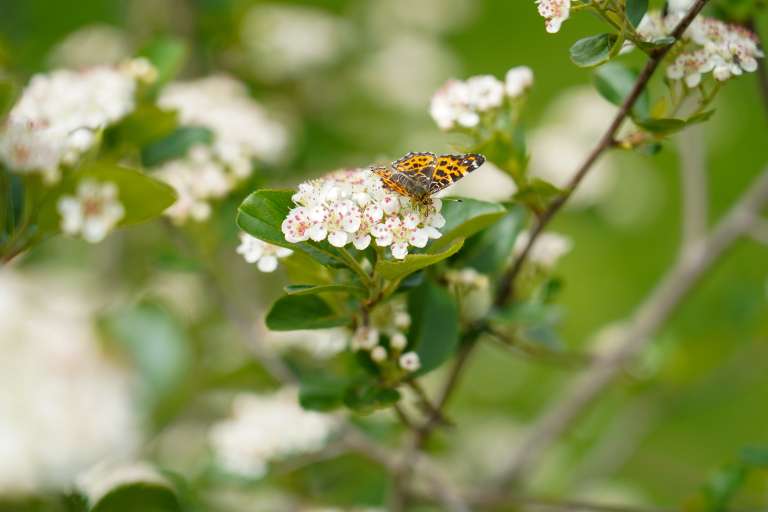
464,218
261,215
661,126
313,289
168,55
322,393
146,124
489,250
397,269
144,496
592,51
615,81
434,333
537,194
369,397
700,117
636,9
723,486
142,196
295,312
160,349
175,145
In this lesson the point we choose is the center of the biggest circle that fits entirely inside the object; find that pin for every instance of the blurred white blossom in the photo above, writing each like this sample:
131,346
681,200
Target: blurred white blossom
286,41
427,63
462,103
428,16
242,132
263,254
93,212
569,129
64,404
555,12
60,115
547,249
320,343
353,206
92,45
265,428
474,291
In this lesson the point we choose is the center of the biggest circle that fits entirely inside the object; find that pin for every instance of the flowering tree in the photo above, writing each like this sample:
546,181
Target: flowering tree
386,282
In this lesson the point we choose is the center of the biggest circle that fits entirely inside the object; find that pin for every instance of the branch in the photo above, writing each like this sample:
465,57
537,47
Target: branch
506,288
649,317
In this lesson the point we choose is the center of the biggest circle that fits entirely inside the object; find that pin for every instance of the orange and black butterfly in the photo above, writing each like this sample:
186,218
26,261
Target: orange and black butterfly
419,175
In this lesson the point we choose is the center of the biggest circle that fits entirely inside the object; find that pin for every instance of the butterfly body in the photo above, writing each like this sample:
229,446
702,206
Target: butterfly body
420,175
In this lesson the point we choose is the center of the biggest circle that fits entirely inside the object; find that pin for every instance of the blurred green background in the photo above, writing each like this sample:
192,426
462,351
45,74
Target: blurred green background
694,402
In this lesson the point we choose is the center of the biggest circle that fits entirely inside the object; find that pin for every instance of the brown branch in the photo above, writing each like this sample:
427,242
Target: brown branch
506,288
639,330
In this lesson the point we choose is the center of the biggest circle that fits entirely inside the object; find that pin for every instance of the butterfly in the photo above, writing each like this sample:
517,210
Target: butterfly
420,175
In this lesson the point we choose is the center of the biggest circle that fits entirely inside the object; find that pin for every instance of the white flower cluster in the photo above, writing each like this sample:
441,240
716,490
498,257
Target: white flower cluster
264,428
263,254
392,321
555,12
93,212
547,249
60,115
242,132
284,41
353,206
712,46
64,403
462,103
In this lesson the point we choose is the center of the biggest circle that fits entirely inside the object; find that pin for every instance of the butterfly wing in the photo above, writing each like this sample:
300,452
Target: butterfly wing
451,168
418,167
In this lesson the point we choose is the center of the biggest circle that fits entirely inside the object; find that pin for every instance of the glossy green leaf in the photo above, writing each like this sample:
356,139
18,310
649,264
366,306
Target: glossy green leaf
369,397
397,269
537,194
592,51
615,81
295,312
313,289
144,496
261,215
142,196
489,250
145,125
434,333
175,145
168,55
464,218
322,393
661,126
9,91
636,9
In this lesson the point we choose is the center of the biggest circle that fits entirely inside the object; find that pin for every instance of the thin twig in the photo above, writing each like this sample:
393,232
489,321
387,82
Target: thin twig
506,288
693,184
637,333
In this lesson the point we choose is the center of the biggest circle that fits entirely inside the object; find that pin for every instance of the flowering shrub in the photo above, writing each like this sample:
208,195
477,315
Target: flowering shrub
282,392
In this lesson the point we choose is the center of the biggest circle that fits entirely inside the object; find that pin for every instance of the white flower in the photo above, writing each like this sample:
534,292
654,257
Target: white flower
410,361
242,132
518,80
485,92
267,427
54,374
263,254
547,249
555,13
354,207
690,66
379,354
461,103
93,212
58,116
365,338
398,341
285,41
